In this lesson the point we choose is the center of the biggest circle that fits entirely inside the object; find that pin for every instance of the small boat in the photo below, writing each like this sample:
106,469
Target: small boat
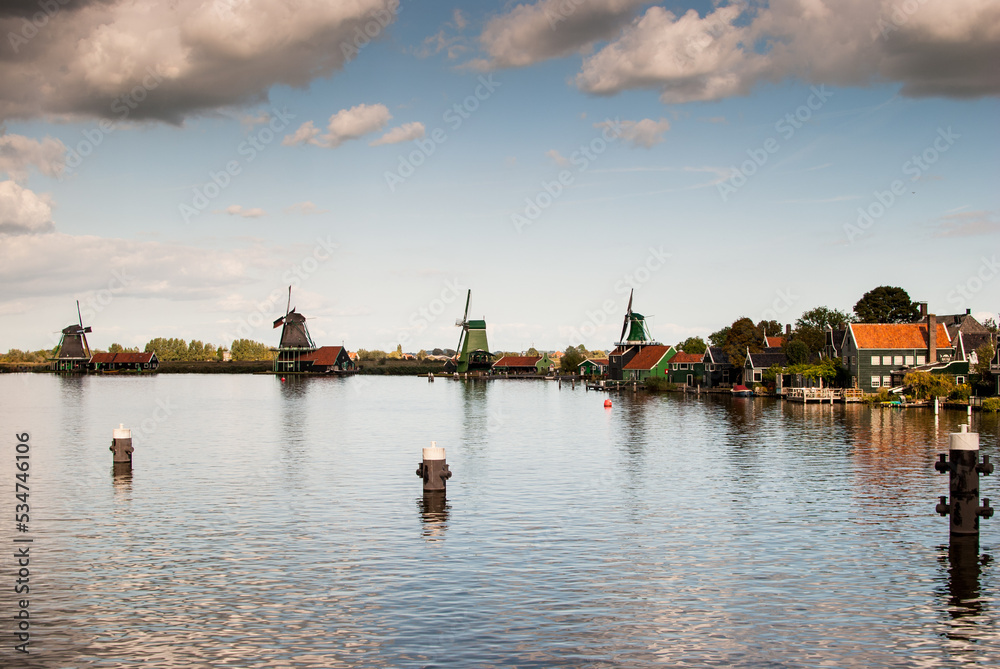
741,391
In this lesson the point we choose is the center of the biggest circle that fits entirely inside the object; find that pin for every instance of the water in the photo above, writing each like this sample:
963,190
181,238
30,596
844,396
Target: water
271,524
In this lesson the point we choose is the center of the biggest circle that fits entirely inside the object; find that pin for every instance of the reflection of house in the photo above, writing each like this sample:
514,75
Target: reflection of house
719,372
326,360
873,352
593,367
757,363
687,368
523,364
115,362
651,361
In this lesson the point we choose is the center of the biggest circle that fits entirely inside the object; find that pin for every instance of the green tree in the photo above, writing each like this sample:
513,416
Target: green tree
693,345
743,335
990,324
797,352
116,348
247,349
375,354
926,385
572,358
196,350
769,328
810,328
718,338
984,356
532,351
886,304
421,354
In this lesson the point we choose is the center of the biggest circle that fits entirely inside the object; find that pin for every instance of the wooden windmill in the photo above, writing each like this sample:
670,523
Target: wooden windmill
74,353
295,339
634,338
473,349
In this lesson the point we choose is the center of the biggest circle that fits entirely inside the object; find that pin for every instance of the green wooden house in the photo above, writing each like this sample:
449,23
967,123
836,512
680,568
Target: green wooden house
593,367
651,362
686,368
878,355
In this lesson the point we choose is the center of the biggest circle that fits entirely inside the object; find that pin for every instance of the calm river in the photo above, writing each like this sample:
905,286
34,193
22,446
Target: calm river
271,524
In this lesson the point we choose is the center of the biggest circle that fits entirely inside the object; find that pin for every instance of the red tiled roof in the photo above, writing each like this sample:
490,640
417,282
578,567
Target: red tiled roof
687,357
897,335
517,361
774,341
598,361
324,356
647,357
122,358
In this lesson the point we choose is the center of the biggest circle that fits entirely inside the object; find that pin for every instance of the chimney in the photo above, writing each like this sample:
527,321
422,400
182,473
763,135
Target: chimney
788,329
968,312
931,337
923,309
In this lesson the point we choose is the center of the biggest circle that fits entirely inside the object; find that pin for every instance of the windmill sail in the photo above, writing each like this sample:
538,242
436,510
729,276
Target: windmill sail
473,349
73,345
294,334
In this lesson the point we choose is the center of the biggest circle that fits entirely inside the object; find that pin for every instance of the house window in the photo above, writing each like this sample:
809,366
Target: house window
959,380
897,360
875,360
756,375
887,381
725,376
684,365
876,381
909,361
921,359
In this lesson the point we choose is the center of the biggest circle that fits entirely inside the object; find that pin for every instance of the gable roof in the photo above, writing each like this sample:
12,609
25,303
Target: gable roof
766,359
770,342
717,356
517,361
123,358
648,357
687,357
596,361
324,356
897,335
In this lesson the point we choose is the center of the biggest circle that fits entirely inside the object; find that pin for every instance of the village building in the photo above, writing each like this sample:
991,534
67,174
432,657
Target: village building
687,368
521,365
757,363
630,346
652,361
124,362
593,367
719,372
327,360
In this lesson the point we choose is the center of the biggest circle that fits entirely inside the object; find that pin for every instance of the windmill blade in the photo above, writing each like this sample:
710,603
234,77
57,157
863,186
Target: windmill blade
628,316
458,351
288,306
468,297
279,321
87,329
78,313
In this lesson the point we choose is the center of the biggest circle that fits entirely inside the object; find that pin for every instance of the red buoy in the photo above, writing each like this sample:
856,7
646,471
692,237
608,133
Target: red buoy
607,404
282,379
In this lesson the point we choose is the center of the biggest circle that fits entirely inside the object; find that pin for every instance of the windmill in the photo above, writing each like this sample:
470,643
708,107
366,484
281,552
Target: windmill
74,353
635,325
473,350
295,338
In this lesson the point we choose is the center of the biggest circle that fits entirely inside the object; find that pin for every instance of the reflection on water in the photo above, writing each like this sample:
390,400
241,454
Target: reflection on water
272,524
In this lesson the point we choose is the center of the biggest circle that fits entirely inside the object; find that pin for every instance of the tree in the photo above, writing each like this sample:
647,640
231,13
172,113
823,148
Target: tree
421,354
927,385
797,352
718,338
743,335
811,326
769,328
886,304
364,354
990,324
693,345
572,358
247,349
984,356
532,351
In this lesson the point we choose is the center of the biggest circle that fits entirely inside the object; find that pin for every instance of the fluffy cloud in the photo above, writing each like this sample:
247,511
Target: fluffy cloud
345,125
22,211
940,48
18,153
186,56
644,133
239,210
403,133
551,28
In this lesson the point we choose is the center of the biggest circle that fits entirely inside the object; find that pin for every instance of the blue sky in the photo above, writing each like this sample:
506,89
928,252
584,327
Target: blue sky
741,159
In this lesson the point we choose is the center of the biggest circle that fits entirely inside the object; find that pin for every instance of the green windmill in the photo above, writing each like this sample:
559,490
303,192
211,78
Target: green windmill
473,349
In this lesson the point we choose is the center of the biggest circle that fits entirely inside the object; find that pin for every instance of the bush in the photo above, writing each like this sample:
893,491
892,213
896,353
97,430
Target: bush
655,384
883,395
961,393
991,404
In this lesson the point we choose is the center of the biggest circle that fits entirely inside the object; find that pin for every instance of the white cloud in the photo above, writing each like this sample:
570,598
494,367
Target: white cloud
557,157
644,133
347,124
22,211
305,208
208,54
18,153
941,48
968,224
550,28
238,210
402,133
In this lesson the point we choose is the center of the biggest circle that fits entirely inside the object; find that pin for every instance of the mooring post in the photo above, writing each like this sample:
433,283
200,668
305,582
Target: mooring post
430,377
121,448
964,469
935,406
433,469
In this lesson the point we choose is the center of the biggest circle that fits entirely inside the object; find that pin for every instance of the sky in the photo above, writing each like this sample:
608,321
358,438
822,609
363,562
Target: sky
176,166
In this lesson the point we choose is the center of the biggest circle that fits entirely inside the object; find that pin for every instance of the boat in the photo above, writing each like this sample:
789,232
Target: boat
741,391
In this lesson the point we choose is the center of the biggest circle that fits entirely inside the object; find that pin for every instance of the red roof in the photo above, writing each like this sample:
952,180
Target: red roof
647,357
517,361
122,358
598,361
324,356
897,335
773,341
687,357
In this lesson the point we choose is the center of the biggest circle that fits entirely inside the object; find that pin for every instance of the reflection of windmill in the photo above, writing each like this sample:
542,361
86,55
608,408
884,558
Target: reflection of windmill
74,353
473,349
635,324
295,339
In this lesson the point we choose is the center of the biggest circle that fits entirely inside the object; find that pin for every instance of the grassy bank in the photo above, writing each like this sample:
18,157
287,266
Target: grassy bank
392,367
213,367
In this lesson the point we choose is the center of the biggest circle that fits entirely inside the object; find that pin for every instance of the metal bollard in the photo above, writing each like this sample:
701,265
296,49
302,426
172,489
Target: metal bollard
430,377
121,447
964,469
434,470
